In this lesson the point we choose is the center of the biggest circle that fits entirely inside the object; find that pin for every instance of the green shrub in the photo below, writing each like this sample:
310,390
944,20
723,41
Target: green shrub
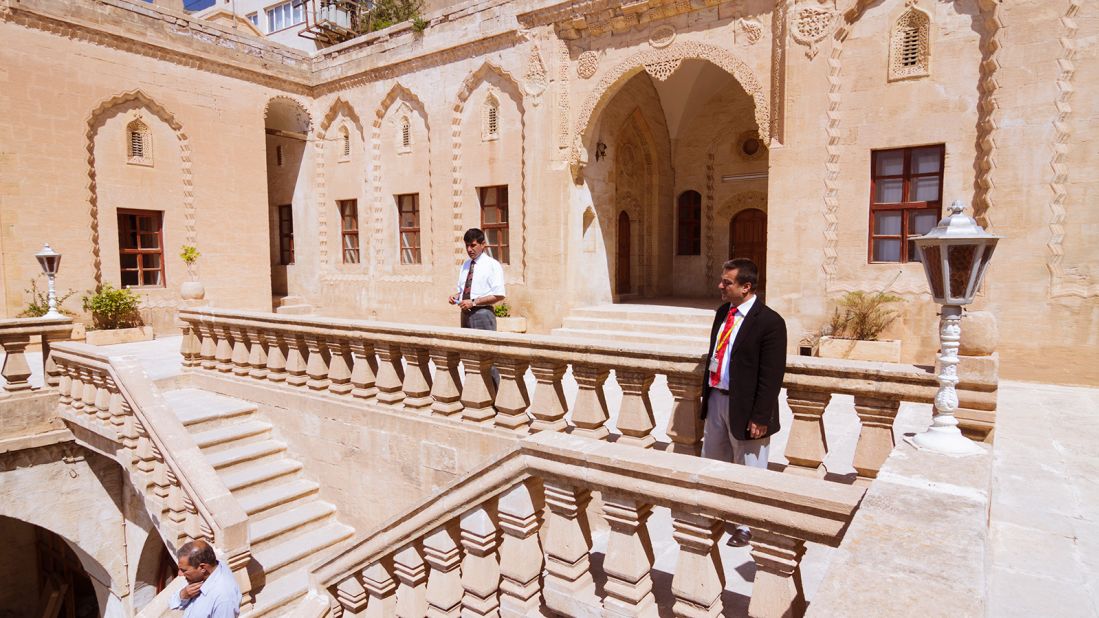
39,304
189,254
419,24
502,310
863,315
113,308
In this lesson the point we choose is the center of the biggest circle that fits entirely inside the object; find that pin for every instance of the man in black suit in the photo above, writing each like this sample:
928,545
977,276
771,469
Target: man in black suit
743,376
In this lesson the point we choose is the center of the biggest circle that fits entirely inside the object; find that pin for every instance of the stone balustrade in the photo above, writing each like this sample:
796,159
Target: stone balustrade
113,408
18,333
447,372
478,548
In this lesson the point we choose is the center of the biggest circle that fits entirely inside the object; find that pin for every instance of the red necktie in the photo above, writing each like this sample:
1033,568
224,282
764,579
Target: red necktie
469,282
723,339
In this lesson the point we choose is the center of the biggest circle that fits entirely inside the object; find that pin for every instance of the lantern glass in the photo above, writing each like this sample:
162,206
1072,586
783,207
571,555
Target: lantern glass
962,259
48,259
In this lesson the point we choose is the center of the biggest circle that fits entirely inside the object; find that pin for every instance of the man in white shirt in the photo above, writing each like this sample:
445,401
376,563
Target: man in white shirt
480,284
211,590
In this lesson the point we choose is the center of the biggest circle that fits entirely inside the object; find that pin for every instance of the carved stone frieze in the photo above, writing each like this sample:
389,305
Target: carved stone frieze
535,78
663,70
752,30
587,64
662,36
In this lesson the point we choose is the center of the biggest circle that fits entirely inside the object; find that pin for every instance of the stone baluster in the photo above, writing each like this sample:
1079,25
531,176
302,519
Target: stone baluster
190,347
444,583
777,590
629,560
102,398
90,391
257,354
50,371
177,507
478,392
569,588
295,361
16,371
339,367
417,379
481,565
223,353
446,390
129,433
364,371
635,416
589,411
685,424
408,566
276,357
144,451
351,595
116,410
390,374
316,366
160,475
380,587
335,609
64,386
876,437
520,552
77,388
193,524
699,578
549,405
512,400
240,356
808,443
208,349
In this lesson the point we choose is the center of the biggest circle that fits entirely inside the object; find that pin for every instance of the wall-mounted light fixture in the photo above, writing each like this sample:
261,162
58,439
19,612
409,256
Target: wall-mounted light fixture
600,150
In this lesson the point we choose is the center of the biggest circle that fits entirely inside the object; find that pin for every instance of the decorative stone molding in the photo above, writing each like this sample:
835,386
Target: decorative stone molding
340,108
752,30
302,115
536,77
564,62
587,64
910,45
663,69
662,36
987,106
810,26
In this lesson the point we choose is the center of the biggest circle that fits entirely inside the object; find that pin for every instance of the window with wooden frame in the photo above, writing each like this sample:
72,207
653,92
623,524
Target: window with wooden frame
286,234
408,227
494,221
141,248
349,230
906,186
689,223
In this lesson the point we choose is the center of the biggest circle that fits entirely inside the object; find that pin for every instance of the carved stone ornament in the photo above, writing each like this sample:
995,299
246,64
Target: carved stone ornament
587,64
662,36
752,29
534,81
811,25
663,69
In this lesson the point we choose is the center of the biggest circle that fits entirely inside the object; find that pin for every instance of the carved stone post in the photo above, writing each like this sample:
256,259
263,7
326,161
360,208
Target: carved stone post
808,443
276,358
77,388
520,553
365,370
876,437
699,578
51,375
589,411
208,349
569,588
295,361
417,380
380,587
90,391
549,405
512,400
240,352
16,371
257,354
478,392
444,582
629,560
408,566
351,594
64,386
223,354
777,590
447,388
116,409
102,398
390,374
481,566
189,345
339,367
316,366
635,417
685,425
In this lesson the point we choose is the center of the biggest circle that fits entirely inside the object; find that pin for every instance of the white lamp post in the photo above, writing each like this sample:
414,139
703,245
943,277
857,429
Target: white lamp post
50,260
955,257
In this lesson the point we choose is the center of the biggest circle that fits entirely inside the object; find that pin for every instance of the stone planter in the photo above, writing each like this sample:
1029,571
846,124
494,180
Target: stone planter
885,351
511,325
119,335
192,290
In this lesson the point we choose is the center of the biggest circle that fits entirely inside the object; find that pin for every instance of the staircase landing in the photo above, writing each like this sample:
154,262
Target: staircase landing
679,322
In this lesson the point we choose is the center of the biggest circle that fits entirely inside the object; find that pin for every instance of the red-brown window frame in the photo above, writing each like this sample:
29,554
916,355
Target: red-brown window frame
124,230
349,234
502,250
904,207
688,223
412,249
285,216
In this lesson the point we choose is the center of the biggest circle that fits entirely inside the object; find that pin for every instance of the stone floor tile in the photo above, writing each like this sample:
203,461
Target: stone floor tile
1021,595
1028,550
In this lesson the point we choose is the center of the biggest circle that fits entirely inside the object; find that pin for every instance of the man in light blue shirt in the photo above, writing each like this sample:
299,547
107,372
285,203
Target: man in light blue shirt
211,590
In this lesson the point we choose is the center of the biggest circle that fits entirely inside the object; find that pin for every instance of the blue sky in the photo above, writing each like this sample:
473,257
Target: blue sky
197,5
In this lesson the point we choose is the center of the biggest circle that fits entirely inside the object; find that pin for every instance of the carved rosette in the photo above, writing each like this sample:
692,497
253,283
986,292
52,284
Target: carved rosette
662,36
587,64
811,25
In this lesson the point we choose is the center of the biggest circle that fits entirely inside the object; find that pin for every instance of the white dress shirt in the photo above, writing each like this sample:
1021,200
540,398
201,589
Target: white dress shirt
488,278
219,596
742,310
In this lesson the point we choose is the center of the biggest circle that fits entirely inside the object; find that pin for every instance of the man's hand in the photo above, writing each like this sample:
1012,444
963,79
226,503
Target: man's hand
191,590
466,304
453,299
755,431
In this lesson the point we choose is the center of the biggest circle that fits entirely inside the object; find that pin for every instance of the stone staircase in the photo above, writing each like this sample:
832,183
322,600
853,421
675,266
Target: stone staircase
288,521
293,305
637,323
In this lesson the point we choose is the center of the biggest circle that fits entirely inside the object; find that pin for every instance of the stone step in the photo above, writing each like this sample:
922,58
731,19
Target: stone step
275,526
294,548
282,301
236,433
275,597
686,329
252,451
198,409
295,309
277,495
649,313
248,477
610,337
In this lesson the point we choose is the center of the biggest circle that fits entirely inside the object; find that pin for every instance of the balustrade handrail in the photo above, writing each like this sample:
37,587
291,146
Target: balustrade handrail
16,335
804,508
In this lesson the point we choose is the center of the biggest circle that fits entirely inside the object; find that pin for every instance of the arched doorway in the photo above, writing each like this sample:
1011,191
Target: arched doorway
622,274
44,577
287,125
748,239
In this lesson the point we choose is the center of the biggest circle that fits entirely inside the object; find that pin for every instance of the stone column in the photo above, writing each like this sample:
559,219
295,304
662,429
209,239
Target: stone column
295,361
417,379
446,391
808,443
16,371
478,392
777,590
380,587
351,594
365,370
223,354
549,405
240,352
257,354
589,411
699,578
685,424
635,417
408,566
629,560
339,367
569,588
316,366
520,553
512,400
390,374
480,566
444,582
876,437
276,358
208,349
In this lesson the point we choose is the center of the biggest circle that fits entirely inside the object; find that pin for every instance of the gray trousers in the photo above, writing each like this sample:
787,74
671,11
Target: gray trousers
482,319
718,441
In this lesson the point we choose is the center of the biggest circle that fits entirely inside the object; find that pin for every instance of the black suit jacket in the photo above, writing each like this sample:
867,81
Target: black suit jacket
756,369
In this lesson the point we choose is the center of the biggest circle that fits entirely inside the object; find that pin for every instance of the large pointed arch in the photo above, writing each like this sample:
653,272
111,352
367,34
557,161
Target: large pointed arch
339,108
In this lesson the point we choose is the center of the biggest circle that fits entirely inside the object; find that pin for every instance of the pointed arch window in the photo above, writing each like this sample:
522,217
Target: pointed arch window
490,123
345,144
404,136
139,143
910,46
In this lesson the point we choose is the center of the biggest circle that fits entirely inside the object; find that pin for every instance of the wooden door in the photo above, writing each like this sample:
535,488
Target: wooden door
748,239
622,276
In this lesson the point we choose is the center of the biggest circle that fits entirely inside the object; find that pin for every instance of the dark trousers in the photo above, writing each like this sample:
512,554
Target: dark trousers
482,319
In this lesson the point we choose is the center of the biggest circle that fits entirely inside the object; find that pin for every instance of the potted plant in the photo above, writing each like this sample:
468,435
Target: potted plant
115,316
505,323
192,289
856,323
